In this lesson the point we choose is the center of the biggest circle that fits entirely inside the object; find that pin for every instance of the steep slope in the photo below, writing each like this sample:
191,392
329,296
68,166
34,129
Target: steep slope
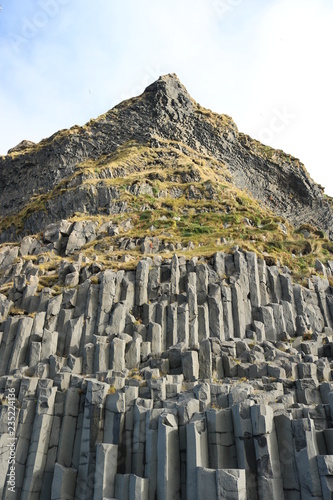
81,169
166,328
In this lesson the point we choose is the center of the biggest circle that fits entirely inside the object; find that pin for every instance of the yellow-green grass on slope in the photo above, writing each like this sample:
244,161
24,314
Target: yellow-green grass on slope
237,219
220,217
137,162
275,247
206,230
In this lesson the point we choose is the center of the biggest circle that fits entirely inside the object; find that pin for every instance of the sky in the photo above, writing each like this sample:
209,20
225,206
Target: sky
266,63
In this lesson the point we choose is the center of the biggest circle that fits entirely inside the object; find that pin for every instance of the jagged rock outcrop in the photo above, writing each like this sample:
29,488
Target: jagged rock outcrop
50,181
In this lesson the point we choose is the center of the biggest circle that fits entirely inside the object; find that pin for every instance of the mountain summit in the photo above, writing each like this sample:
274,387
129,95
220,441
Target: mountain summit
80,170
166,312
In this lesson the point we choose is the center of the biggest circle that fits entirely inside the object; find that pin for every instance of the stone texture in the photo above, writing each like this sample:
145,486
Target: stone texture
200,378
130,392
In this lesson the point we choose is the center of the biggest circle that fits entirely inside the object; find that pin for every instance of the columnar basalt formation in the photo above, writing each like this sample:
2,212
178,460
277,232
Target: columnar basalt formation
181,379
166,312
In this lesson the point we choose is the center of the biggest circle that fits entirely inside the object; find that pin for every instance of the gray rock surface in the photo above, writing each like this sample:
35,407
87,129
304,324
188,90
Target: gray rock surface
118,396
164,112
180,377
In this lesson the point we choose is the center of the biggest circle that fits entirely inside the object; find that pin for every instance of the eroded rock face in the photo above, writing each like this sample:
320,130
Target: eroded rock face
164,112
180,379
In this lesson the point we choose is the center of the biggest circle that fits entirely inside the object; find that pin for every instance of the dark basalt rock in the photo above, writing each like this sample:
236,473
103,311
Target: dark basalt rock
165,111
21,146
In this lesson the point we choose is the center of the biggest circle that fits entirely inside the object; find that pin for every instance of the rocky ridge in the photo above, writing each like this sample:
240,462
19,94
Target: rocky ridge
77,170
165,335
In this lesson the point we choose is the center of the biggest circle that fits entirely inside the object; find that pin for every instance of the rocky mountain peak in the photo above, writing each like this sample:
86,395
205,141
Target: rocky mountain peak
79,170
168,84
169,93
166,315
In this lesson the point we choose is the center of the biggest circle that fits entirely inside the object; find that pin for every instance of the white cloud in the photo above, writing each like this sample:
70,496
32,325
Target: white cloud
295,39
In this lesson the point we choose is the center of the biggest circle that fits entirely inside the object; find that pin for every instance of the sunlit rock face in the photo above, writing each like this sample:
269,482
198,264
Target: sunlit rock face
166,312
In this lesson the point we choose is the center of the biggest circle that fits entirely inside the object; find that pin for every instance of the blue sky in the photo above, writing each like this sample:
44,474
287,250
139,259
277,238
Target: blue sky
266,63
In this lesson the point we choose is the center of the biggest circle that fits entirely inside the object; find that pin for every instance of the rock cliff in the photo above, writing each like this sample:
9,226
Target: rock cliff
76,170
179,379
166,334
